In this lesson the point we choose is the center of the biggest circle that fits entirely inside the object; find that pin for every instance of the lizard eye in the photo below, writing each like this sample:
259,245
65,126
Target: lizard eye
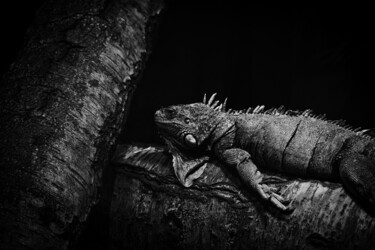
169,113
190,140
187,120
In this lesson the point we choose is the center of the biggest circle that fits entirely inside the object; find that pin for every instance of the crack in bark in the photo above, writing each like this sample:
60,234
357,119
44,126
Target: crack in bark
319,207
47,158
223,191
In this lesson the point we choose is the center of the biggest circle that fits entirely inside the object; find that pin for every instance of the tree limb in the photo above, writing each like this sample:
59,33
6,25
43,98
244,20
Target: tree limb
150,208
63,102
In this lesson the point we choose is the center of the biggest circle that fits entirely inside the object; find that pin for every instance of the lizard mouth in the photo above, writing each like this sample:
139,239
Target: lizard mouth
158,117
187,168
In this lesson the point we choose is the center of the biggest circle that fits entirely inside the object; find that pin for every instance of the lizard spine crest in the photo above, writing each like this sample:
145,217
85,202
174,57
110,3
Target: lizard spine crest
260,109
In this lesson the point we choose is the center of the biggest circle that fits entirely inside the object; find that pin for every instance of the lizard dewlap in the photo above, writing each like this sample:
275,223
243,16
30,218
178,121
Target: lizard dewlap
293,142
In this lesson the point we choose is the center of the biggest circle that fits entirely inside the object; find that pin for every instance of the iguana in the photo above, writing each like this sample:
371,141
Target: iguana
293,142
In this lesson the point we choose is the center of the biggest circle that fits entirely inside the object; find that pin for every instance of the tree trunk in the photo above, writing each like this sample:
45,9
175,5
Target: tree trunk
150,209
63,103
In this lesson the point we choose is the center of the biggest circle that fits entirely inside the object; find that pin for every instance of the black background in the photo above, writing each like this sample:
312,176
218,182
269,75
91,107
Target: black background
317,57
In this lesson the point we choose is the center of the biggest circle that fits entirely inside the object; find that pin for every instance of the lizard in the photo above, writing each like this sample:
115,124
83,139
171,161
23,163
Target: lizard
293,142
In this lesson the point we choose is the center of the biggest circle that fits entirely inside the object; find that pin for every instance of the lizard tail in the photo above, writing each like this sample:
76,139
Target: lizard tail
357,172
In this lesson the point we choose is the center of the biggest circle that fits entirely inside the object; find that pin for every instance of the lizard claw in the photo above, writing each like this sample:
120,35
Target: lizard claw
280,205
270,189
253,178
280,198
269,193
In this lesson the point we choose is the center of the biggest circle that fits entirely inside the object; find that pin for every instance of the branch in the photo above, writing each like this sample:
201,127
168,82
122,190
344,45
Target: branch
150,208
63,103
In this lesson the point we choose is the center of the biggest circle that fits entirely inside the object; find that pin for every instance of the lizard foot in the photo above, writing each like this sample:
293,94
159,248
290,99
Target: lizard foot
270,194
249,173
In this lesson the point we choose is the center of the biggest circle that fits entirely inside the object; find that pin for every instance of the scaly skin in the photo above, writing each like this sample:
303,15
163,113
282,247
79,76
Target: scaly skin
292,142
296,145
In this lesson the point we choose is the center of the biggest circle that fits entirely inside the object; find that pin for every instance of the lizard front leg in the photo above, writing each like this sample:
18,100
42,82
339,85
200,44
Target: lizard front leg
248,171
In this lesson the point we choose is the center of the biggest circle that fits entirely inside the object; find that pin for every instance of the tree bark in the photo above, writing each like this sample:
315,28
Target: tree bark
150,209
63,103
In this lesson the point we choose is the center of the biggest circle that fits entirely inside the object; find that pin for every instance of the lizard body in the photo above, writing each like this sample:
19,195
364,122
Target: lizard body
292,142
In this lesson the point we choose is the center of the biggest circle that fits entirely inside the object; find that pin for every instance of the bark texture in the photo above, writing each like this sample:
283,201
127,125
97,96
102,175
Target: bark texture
63,102
150,209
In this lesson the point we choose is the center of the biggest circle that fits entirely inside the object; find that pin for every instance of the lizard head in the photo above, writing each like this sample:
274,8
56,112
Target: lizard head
186,129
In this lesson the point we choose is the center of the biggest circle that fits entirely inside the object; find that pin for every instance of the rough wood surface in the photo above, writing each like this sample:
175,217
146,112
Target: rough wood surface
151,209
63,102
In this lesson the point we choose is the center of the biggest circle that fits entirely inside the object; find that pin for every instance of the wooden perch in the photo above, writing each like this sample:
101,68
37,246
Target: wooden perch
151,209
63,103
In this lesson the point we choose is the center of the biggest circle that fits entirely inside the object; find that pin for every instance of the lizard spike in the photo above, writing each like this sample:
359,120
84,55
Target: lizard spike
261,109
269,111
306,112
224,106
363,131
339,122
255,110
212,98
215,104
357,129
368,133
219,108
291,112
248,111
258,109
281,110
204,98
229,111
